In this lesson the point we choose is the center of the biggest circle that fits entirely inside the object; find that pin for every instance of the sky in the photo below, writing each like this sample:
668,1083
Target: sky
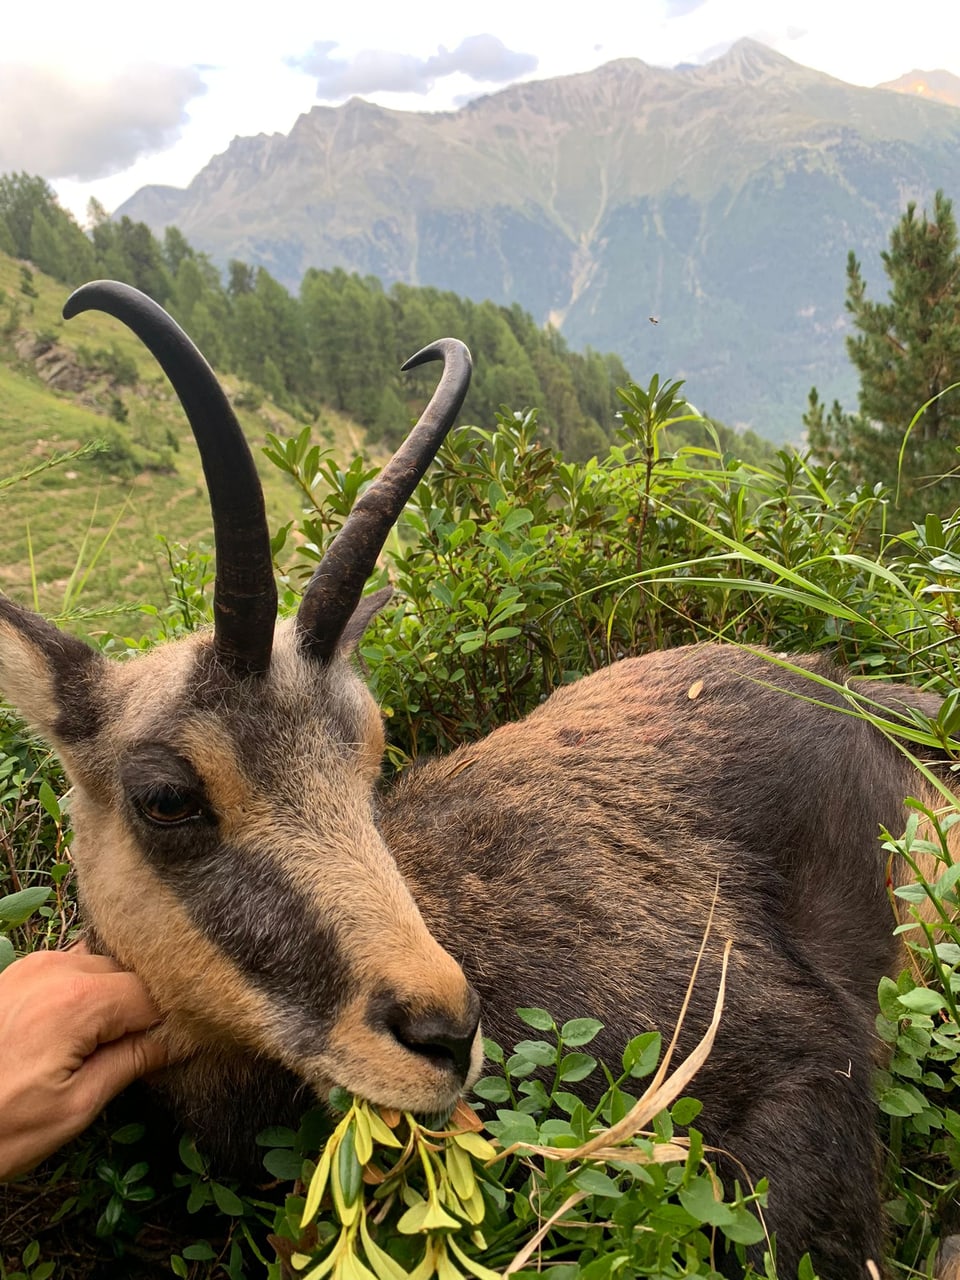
102,99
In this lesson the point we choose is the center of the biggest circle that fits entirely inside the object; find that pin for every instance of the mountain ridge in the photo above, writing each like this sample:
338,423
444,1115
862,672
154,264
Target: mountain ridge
720,199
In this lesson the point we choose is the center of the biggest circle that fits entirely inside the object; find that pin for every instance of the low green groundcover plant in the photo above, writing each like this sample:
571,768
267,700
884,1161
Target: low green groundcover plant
564,1189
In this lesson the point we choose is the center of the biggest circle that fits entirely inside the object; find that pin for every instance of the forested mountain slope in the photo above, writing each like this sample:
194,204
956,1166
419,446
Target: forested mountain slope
341,341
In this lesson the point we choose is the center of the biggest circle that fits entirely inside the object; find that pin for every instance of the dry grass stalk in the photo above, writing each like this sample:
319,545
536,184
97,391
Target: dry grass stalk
663,1090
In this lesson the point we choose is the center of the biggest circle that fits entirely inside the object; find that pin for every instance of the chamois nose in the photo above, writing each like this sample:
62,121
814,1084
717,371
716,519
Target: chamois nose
444,1039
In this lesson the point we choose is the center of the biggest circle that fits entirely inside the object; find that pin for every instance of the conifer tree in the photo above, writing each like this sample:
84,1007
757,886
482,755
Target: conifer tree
7,242
907,353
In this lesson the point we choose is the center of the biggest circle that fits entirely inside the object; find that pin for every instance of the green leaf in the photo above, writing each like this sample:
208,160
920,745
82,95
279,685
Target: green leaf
947,881
596,1183
492,1089
31,1253
805,1270
179,1267
199,1252
48,799
16,908
537,1018
888,995
349,1169
703,1201
198,1197
7,953
191,1156
139,1194
109,1218
283,1163
517,519
566,1101
576,1066
492,1050
538,1052
685,1110
227,1201
745,1228
127,1134
517,1065
642,1054
277,1136
580,1030
514,1126
913,893
135,1173
922,1000
900,1102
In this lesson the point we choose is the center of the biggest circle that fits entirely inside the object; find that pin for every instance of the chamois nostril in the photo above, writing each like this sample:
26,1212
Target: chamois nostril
435,1036
438,1038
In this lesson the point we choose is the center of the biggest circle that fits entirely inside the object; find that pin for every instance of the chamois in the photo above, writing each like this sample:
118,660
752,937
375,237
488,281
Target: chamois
301,931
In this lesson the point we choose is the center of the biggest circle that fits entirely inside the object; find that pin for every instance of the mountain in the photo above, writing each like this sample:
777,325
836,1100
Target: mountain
941,86
719,201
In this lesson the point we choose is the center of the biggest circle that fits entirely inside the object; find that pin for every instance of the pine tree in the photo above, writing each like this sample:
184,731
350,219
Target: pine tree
907,353
7,242
46,250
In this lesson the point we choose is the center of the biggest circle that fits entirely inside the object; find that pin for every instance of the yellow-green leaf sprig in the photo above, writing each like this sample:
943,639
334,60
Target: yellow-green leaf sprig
446,1202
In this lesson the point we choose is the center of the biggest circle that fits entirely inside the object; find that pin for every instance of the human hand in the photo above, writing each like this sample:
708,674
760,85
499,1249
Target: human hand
73,1033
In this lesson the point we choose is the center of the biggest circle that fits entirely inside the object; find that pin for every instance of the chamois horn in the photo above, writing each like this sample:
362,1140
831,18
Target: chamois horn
334,591
245,595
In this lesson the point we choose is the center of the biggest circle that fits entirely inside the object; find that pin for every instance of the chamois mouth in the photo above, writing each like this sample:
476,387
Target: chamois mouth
401,1064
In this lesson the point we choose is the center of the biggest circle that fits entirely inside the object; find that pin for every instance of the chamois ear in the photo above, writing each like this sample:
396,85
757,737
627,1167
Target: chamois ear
360,619
48,676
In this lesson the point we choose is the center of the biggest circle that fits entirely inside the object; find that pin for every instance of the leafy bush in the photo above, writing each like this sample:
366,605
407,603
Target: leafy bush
110,362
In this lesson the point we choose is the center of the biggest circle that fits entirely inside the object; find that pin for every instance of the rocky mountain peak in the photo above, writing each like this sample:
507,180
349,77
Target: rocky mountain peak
721,200
936,86
750,62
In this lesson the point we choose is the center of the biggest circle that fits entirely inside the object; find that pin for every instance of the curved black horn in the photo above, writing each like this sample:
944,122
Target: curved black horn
245,596
335,589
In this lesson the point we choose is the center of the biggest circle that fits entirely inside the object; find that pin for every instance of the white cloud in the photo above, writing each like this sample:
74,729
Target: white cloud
63,127
482,58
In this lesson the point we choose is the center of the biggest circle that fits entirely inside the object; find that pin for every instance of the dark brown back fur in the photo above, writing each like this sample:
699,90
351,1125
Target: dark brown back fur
570,862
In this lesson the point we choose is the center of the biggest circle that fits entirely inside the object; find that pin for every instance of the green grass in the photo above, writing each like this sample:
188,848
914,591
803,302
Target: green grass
55,522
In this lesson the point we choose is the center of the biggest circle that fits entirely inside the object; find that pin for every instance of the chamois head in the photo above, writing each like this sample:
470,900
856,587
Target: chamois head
225,842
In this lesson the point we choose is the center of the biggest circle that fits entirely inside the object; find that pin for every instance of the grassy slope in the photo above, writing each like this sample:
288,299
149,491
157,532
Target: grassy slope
70,509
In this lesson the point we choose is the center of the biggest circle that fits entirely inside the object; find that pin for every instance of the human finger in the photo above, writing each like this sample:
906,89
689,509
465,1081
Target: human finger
109,1006
113,1066
64,962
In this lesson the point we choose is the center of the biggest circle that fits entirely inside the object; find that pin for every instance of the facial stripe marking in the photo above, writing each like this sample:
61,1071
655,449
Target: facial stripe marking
247,907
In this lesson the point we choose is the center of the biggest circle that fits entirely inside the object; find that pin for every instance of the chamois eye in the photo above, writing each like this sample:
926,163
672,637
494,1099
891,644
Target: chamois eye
168,806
